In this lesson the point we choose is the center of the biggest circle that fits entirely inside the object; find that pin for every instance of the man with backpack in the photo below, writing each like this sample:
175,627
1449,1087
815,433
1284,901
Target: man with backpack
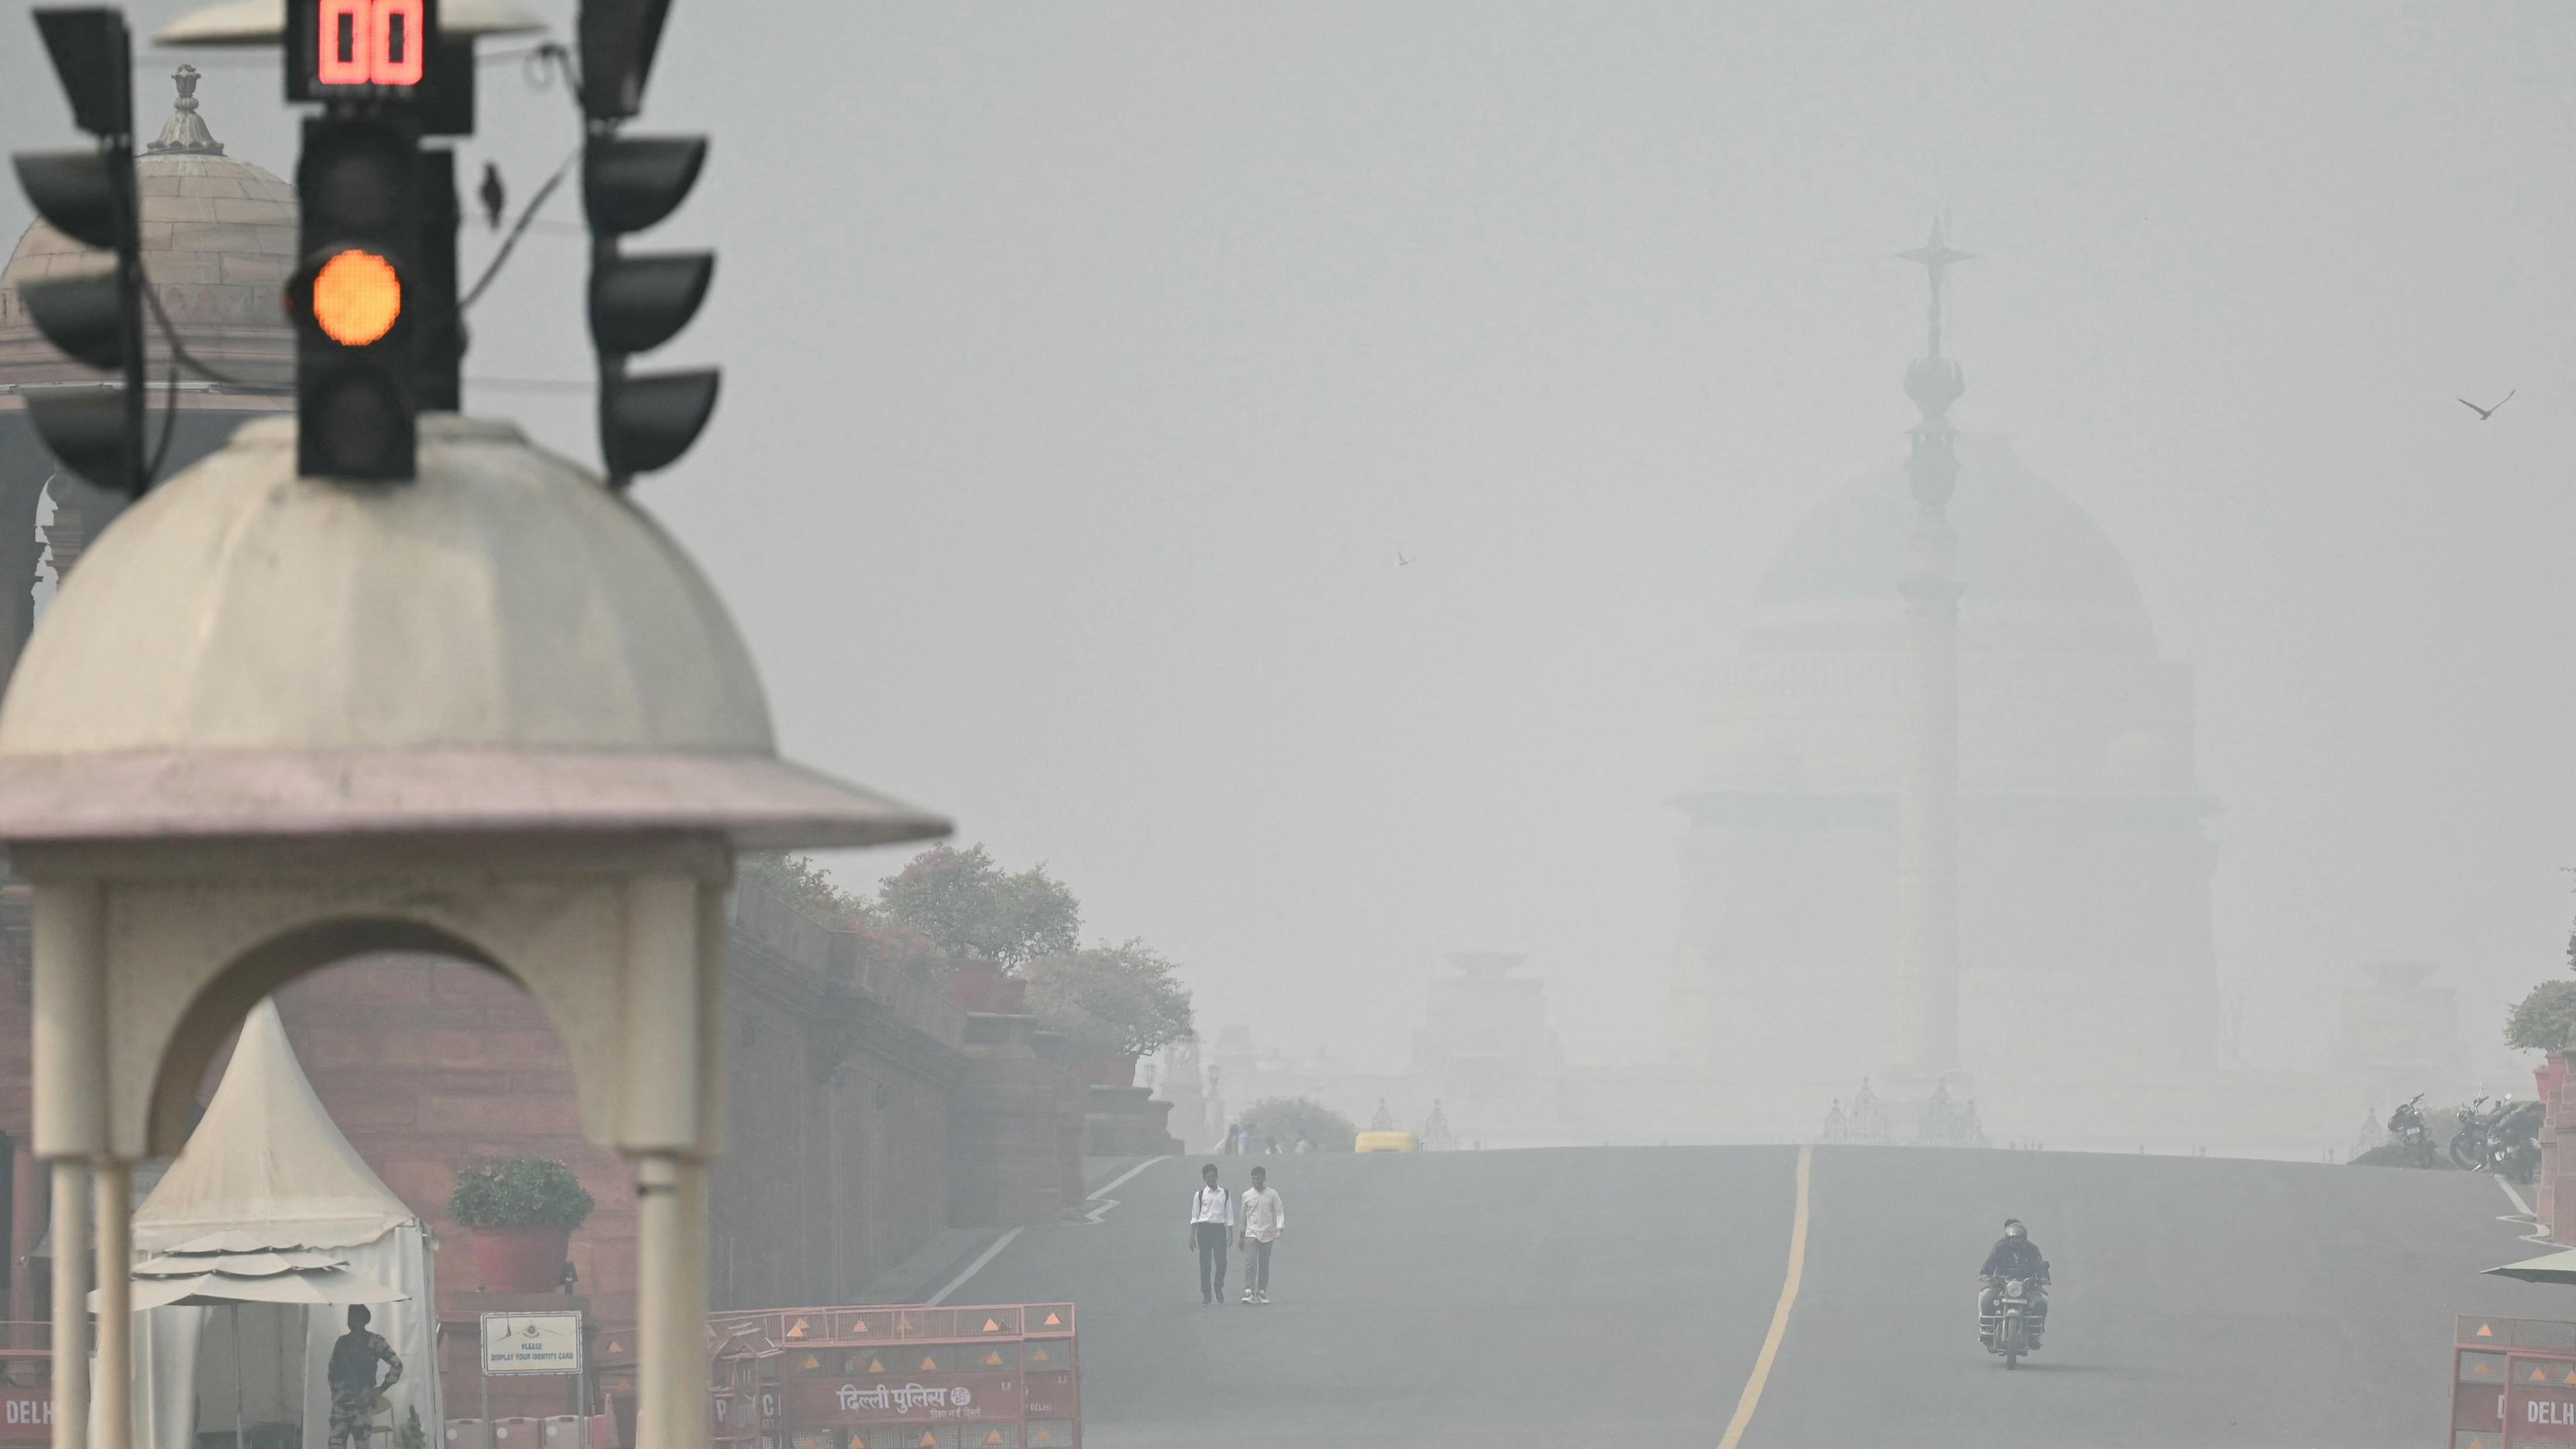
1211,1223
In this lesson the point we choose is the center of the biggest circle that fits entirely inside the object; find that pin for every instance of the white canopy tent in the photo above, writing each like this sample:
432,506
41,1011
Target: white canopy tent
269,1204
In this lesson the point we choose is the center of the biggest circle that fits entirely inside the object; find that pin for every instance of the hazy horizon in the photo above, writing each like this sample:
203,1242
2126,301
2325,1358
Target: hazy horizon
1089,368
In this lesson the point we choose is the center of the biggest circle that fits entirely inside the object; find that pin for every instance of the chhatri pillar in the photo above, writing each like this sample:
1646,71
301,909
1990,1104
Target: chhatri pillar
1927,803
273,722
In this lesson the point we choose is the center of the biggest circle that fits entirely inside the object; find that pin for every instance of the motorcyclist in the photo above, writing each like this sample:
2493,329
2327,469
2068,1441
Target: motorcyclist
2015,1256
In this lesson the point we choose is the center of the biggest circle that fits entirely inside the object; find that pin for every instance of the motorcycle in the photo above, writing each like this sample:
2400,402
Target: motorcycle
2012,1318
2408,1133
2503,1138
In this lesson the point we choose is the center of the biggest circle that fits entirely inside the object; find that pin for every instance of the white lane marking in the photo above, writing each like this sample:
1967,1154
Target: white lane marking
1779,1313
975,1267
2523,1214
1122,1179
1097,1204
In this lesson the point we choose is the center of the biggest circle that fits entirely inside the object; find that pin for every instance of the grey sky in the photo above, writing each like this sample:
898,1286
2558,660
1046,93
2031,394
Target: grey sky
1088,365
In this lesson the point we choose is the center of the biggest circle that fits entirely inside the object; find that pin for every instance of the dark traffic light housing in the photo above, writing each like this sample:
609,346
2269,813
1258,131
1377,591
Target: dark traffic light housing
637,303
617,40
355,295
89,195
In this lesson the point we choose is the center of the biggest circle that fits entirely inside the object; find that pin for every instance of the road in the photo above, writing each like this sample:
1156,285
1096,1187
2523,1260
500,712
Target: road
1603,1296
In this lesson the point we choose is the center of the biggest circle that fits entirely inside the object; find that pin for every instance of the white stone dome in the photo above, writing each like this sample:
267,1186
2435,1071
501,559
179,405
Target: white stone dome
501,643
2037,572
219,240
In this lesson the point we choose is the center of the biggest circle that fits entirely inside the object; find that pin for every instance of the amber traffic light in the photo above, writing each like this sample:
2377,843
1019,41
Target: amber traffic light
357,298
360,183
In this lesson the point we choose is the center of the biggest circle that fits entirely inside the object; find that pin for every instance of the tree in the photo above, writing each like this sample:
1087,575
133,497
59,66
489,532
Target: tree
803,884
969,907
897,946
1291,1118
1111,1001
2545,1020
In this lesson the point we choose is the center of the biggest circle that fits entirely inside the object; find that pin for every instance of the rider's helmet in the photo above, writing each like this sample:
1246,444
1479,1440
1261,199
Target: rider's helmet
2014,1229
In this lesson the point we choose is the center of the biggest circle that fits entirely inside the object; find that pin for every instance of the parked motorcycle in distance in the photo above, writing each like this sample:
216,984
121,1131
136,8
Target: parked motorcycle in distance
2406,1130
2502,1138
2012,1319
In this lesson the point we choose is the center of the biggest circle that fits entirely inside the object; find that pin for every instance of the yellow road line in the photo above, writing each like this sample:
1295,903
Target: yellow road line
1779,1312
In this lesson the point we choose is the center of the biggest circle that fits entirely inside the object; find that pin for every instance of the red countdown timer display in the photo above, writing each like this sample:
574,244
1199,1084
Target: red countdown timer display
359,49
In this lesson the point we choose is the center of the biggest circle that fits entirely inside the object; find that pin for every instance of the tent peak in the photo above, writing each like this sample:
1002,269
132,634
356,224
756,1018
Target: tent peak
267,1168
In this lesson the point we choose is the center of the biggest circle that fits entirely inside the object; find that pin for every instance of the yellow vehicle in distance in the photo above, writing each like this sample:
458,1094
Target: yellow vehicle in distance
1386,1142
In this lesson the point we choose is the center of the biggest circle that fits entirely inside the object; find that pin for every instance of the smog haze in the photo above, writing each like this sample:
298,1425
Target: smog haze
1293,470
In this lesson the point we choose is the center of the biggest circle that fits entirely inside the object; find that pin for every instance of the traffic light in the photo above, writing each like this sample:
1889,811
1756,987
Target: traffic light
354,296
89,195
618,38
637,303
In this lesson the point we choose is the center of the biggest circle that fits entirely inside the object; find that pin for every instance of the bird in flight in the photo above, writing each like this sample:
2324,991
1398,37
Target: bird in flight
1405,560
2486,413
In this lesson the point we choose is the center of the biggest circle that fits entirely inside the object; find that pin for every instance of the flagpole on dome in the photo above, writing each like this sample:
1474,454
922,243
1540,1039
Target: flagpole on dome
1927,813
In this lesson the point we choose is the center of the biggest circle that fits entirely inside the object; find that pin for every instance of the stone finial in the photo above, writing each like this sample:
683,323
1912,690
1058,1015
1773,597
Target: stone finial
1935,383
185,133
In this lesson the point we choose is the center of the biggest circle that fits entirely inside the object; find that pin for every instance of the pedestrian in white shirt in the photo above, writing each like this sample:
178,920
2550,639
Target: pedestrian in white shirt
1264,1219
1211,1223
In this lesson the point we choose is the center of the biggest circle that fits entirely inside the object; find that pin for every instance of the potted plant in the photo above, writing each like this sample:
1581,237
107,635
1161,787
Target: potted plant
523,1211
981,986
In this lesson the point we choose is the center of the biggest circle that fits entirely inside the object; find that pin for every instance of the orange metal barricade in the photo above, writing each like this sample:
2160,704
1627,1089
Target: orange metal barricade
2513,1384
899,1376
26,1383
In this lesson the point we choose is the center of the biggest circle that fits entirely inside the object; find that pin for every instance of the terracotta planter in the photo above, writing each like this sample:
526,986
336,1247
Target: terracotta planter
1119,1071
981,986
521,1260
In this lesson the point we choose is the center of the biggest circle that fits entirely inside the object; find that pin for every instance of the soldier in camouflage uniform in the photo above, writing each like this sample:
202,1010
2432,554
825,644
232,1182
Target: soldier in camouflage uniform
354,1389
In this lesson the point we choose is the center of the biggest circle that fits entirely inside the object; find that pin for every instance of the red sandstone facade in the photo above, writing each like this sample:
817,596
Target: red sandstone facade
864,1115
2556,1204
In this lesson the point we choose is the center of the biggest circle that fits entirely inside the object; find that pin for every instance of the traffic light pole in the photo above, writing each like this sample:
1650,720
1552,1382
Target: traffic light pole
129,299
612,375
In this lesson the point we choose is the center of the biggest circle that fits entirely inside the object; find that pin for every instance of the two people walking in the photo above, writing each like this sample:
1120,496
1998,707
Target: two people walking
1214,1218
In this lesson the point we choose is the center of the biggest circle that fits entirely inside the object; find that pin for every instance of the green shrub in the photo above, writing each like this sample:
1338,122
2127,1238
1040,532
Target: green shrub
2544,1021
518,1192
1290,1118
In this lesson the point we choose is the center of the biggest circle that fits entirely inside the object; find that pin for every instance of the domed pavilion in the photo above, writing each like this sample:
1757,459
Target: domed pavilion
2069,848
219,239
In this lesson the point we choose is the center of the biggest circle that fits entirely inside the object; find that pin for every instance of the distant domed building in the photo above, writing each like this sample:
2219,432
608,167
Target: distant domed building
219,240
2076,867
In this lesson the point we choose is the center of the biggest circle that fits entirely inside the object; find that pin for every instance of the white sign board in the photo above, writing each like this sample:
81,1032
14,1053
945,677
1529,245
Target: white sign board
531,1343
